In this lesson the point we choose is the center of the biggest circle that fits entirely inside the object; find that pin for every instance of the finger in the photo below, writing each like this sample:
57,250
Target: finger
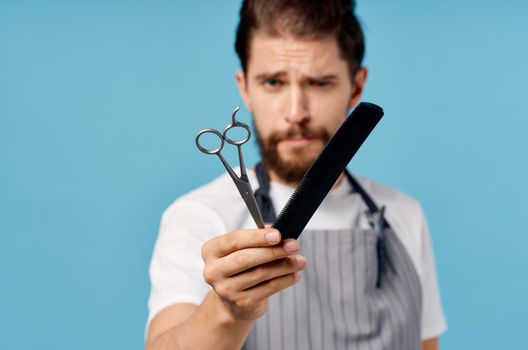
248,258
266,272
218,269
266,289
230,242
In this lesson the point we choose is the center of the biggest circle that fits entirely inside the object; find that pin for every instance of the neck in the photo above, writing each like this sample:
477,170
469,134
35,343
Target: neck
275,178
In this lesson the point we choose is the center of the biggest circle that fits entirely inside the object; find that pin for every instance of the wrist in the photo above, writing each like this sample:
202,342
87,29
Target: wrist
223,314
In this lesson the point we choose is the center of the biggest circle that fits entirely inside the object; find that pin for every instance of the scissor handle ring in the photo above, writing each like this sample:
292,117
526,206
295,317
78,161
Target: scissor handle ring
237,124
206,150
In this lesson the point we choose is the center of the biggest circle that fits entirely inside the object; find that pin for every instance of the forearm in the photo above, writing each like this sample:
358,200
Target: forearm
210,326
430,344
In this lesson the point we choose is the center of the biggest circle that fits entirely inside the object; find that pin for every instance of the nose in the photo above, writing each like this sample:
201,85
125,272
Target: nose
298,108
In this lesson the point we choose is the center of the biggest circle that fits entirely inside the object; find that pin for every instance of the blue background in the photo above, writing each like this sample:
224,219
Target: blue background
99,105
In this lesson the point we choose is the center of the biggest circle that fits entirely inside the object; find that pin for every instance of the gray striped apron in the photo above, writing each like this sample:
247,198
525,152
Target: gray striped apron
359,290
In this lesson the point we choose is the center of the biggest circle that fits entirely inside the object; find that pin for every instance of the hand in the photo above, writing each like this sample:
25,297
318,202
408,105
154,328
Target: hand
246,267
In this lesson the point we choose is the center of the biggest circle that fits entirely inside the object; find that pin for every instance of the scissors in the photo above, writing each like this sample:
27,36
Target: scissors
242,181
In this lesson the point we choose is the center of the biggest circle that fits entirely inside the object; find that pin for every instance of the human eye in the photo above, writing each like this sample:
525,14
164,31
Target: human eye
320,83
273,82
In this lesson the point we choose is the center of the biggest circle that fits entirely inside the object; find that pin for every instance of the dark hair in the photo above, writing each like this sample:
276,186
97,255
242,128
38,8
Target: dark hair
312,19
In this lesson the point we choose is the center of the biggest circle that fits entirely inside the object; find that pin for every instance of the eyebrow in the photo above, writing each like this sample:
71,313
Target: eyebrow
264,76
275,75
328,77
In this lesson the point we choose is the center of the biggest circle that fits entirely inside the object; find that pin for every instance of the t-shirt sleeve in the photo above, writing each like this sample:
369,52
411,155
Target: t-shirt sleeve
433,319
176,268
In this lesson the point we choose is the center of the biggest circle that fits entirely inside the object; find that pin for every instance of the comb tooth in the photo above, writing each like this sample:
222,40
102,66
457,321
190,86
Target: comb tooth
325,170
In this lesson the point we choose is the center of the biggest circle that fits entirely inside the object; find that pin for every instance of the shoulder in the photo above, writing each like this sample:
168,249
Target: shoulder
218,189
216,201
399,206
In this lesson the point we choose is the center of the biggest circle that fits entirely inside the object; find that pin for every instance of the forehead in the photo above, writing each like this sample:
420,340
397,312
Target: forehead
287,53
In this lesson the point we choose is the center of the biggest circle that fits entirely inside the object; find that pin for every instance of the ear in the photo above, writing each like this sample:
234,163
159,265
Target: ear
359,83
242,88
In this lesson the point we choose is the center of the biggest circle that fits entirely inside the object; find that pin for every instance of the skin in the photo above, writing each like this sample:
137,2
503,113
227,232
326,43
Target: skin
292,82
289,82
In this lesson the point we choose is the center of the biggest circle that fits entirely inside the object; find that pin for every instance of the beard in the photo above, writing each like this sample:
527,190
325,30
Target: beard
290,170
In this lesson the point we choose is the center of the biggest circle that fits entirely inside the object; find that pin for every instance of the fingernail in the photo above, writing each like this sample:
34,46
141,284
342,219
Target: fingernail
291,246
301,262
272,236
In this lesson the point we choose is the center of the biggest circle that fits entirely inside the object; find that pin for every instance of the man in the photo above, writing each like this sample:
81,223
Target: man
361,288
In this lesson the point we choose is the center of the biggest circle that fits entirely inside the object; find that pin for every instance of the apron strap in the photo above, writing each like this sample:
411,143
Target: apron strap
377,221
372,207
267,210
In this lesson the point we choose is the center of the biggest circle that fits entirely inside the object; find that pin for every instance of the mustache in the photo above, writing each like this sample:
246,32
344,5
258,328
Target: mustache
302,131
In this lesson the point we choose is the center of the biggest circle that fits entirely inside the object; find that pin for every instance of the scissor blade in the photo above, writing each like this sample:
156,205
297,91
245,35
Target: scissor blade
251,203
247,194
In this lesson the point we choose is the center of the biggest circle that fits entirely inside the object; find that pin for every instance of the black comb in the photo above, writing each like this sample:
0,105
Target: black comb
325,170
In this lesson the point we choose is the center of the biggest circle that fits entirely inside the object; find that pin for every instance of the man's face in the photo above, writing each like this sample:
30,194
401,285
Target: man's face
299,92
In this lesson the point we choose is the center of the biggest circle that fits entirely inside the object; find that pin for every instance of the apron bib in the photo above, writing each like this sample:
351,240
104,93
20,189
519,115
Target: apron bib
360,289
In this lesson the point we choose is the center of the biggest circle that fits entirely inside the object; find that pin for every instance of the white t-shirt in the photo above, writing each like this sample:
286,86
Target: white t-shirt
176,269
